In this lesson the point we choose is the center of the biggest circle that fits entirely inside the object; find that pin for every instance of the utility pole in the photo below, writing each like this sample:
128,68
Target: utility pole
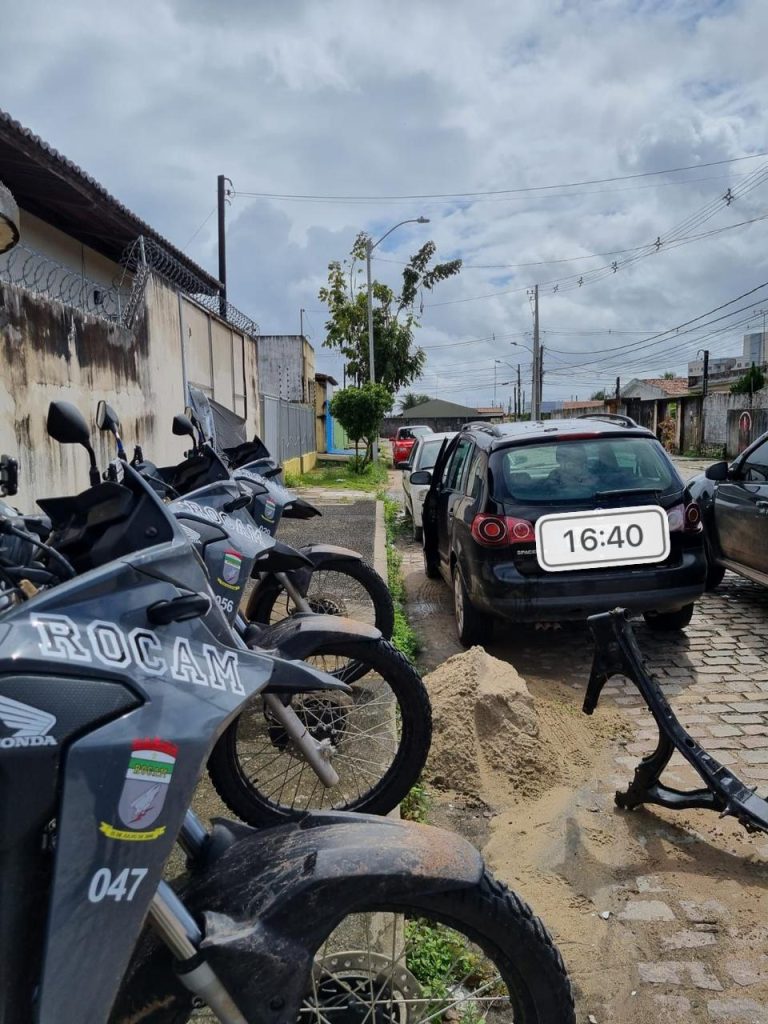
494,382
704,390
618,392
301,322
540,381
535,399
222,201
519,395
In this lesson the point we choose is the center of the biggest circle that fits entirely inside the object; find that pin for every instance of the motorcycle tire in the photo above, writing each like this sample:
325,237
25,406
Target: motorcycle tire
494,951
338,587
257,774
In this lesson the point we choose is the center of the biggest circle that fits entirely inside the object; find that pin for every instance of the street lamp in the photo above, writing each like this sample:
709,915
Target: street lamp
369,247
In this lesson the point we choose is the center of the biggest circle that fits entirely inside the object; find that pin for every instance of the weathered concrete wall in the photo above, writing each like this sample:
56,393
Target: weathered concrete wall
286,367
223,362
49,351
716,409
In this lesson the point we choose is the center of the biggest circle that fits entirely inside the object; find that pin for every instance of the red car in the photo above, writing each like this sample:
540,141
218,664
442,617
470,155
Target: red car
404,440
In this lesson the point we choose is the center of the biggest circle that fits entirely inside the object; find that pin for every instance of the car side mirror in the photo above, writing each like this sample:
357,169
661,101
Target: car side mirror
66,424
718,471
106,418
182,426
421,478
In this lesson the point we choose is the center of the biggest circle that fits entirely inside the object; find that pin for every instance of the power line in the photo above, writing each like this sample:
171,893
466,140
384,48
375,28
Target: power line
198,230
497,192
588,256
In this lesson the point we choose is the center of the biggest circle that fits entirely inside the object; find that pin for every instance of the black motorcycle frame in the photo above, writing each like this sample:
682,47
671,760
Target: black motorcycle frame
617,653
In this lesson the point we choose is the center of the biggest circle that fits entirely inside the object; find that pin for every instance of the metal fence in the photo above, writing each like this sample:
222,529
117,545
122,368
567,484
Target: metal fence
287,428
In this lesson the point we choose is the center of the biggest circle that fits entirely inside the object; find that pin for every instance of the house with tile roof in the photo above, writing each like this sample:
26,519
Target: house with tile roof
646,388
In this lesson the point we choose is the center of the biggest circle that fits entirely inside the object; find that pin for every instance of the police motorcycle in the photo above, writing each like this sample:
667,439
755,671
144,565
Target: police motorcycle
362,750
114,687
338,581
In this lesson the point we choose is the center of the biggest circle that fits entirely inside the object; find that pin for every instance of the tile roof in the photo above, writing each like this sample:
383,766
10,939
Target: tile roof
437,408
52,187
673,387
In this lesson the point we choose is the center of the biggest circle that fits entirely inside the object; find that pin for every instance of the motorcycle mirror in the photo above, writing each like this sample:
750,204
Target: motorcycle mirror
182,426
66,424
106,418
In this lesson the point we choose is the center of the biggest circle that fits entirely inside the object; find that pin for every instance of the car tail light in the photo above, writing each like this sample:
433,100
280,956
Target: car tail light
684,517
496,531
693,517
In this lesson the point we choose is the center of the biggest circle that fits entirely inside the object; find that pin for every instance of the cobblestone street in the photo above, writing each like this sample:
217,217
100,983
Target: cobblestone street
673,904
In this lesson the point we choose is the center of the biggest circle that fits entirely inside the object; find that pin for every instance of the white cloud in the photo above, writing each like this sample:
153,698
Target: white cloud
397,98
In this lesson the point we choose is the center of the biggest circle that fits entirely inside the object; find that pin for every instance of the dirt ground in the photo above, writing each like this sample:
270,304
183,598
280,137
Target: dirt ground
660,916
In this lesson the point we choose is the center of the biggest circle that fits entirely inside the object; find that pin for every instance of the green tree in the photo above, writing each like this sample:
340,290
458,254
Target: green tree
753,380
599,396
668,375
410,400
395,318
360,411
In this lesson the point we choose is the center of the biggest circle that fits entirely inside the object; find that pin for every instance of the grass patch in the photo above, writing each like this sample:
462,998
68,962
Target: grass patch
404,636
441,958
415,807
341,476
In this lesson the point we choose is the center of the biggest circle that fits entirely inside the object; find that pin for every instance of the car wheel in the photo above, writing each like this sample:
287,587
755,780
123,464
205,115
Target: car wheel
417,531
471,626
662,622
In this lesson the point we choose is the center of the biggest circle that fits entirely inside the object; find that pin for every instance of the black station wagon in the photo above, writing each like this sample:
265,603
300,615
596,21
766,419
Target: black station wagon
560,519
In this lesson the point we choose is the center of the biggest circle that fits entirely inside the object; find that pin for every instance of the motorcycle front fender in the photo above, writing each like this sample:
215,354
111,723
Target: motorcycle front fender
273,896
298,508
303,634
320,555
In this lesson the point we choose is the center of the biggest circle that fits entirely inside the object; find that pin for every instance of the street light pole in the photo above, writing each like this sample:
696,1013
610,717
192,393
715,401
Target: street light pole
369,247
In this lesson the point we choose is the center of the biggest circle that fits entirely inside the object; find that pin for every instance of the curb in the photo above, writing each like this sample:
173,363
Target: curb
380,542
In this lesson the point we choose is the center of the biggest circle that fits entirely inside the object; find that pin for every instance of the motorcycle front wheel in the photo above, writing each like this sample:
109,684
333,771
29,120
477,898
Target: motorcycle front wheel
472,955
378,738
339,587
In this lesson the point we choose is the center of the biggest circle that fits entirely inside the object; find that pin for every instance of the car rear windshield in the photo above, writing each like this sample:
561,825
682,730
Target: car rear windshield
580,470
429,452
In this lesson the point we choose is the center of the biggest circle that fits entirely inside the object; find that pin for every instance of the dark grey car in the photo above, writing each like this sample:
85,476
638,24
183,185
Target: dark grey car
734,505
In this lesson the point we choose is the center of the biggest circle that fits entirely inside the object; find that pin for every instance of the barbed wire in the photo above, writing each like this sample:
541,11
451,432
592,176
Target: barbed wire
146,254
26,268
120,301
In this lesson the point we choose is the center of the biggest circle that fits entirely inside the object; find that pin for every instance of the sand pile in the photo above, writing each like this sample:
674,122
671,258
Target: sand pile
486,730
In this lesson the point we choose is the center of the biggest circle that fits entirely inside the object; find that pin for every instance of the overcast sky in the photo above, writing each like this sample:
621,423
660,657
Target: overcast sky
336,98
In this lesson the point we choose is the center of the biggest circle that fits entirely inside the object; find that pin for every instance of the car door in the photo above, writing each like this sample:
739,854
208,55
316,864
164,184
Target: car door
450,494
741,511
432,501
406,469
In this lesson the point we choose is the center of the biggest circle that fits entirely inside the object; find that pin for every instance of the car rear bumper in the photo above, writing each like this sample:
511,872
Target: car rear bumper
501,590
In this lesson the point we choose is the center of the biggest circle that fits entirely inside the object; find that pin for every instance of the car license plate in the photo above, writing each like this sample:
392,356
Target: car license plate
615,536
